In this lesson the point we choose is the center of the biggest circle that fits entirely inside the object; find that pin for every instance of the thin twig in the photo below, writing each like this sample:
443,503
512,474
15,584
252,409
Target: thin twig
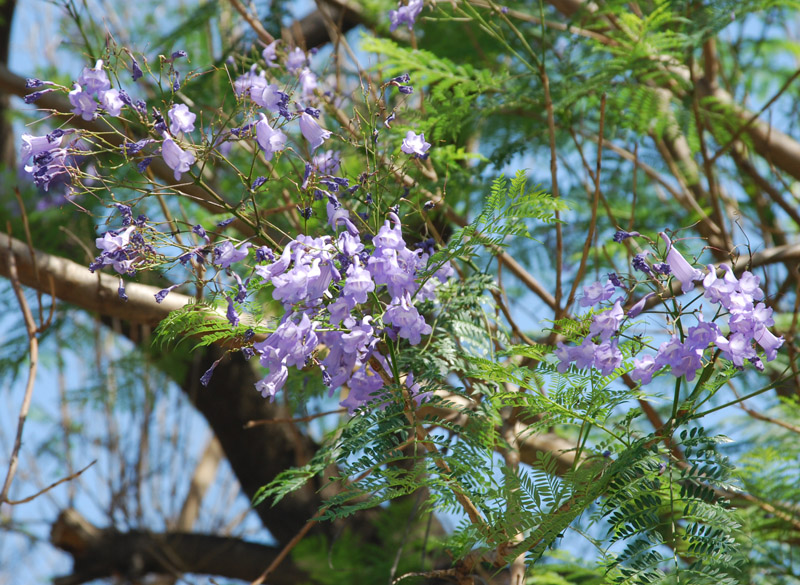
253,21
268,421
51,486
33,347
754,117
587,246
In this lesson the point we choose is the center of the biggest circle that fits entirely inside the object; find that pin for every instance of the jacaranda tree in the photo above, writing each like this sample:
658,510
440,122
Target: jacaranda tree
465,292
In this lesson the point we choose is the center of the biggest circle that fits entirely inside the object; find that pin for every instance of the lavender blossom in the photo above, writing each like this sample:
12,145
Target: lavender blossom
405,14
405,315
682,270
82,103
112,102
596,293
176,158
415,144
181,119
643,369
312,131
94,80
269,54
295,60
270,140
226,254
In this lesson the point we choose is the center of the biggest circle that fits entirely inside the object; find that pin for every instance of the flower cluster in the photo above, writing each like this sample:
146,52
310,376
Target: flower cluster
47,160
748,322
330,288
123,248
342,294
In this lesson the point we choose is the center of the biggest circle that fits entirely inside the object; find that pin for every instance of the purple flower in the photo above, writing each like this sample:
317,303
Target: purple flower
396,269
767,341
683,361
596,292
358,284
583,354
640,263
643,369
82,103
162,294
607,323
415,144
607,357
269,55
268,95
702,335
719,290
405,316
131,148
112,102
35,96
231,314
269,139
563,354
405,14
143,164
312,131
748,285
205,379
201,231
226,254
94,80
263,253
623,235
241,292
113,241
295,60
682,270
293,341
177,159
327,162
363,385
121,290
243,83
33,145
181,119
308,82
634,311
272,382
136,71
736,348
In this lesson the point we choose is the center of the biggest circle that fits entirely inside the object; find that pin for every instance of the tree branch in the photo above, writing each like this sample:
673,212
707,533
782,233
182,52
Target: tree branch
106,552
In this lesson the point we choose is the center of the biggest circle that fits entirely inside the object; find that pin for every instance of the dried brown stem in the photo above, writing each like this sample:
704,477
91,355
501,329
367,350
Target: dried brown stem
33,350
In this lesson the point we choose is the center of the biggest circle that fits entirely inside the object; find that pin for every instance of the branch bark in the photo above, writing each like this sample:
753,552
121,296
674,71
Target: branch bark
100,553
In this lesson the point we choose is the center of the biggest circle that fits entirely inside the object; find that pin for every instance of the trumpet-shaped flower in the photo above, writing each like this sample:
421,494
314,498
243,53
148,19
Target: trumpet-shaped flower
176,158
415,144
312,131
680,267
269,139
181,119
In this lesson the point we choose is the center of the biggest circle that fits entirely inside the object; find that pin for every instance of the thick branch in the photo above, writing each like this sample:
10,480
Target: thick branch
100,553
73,283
